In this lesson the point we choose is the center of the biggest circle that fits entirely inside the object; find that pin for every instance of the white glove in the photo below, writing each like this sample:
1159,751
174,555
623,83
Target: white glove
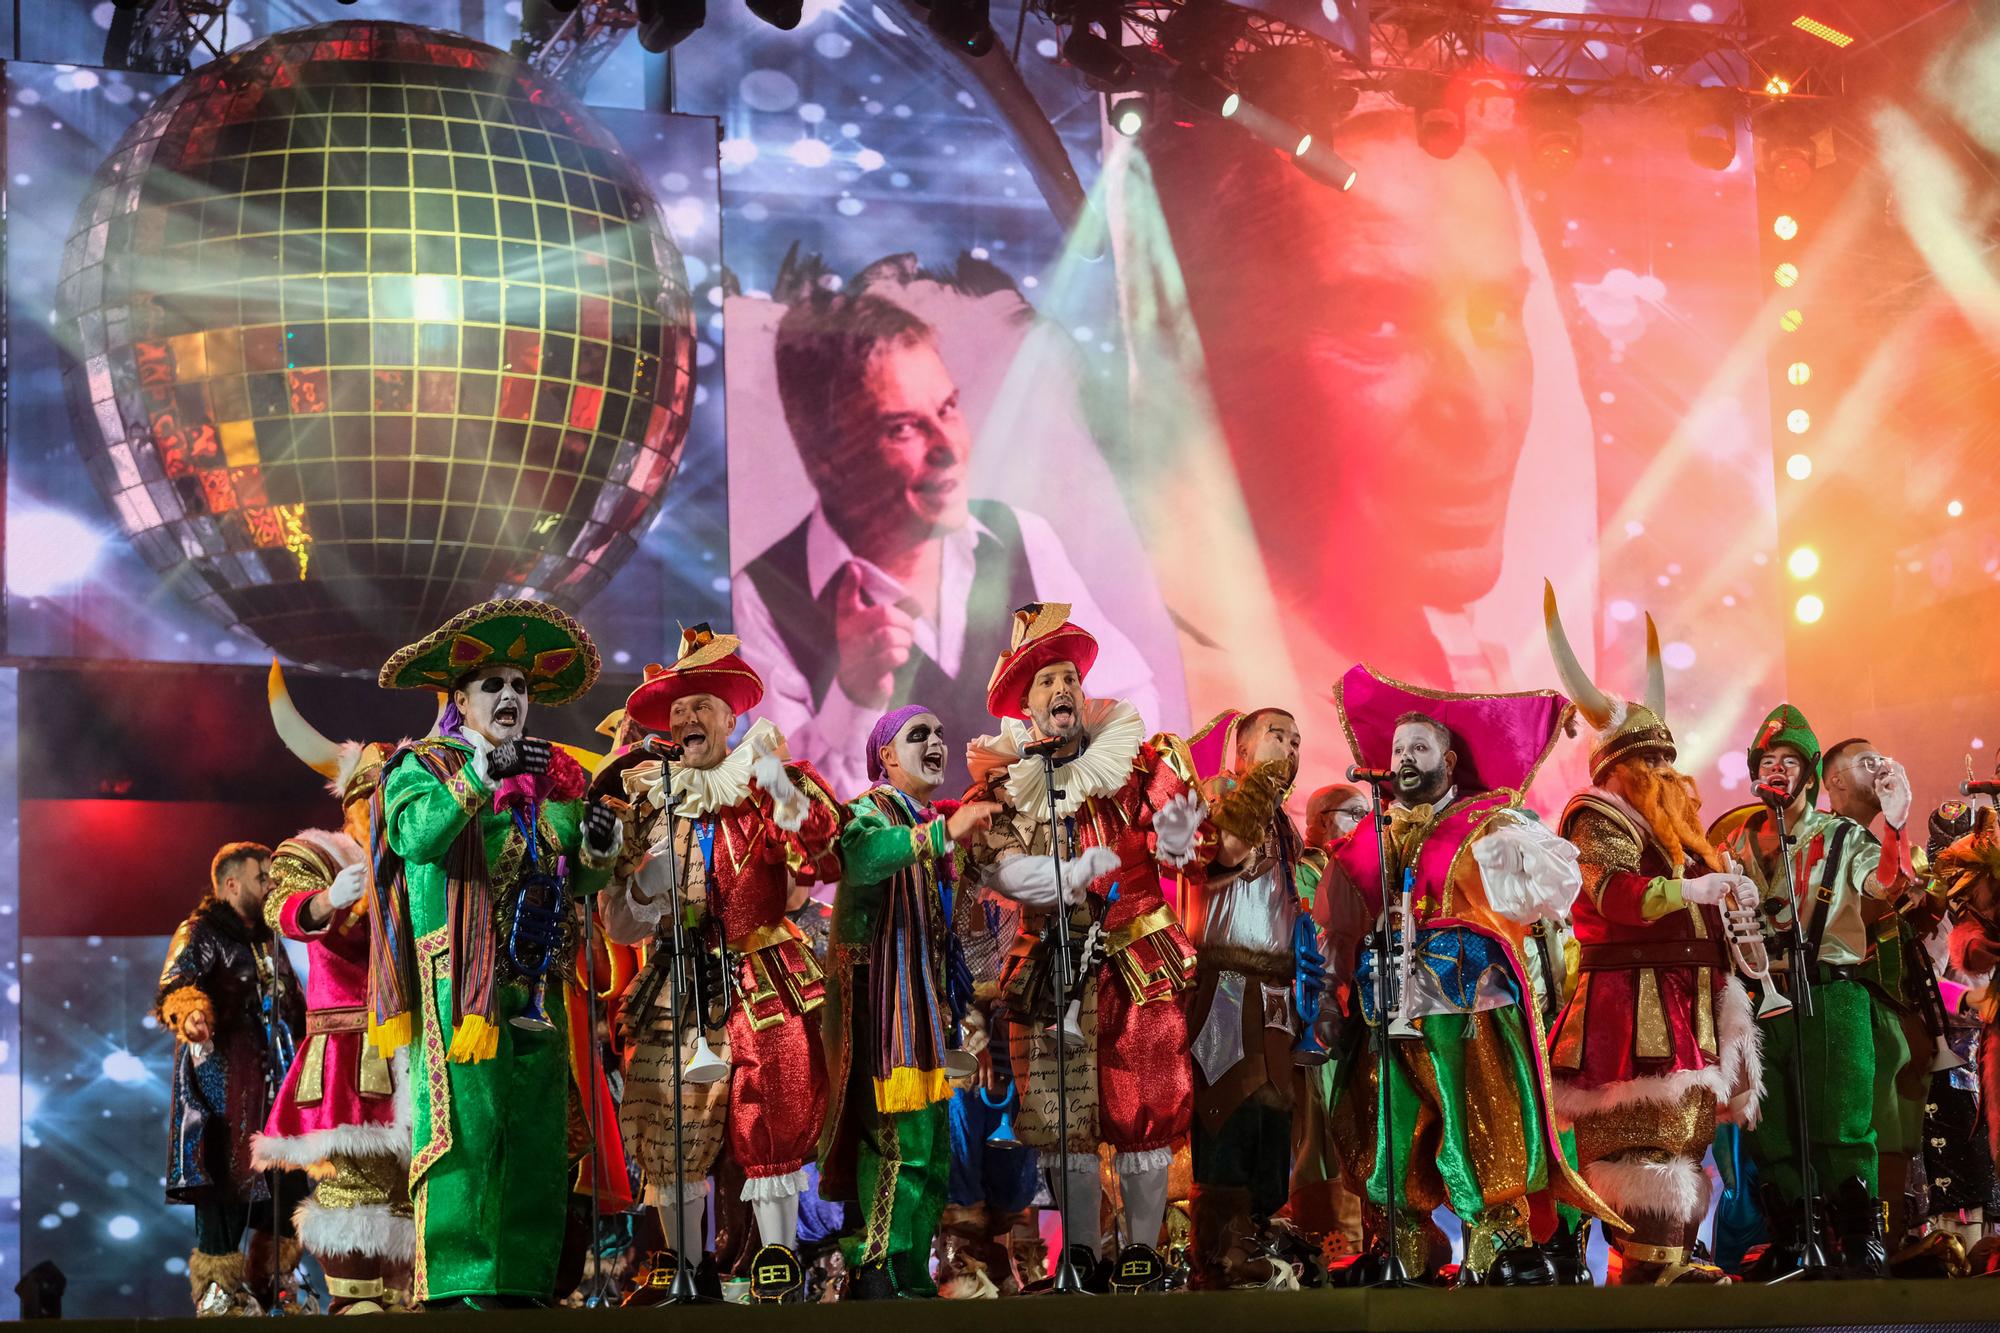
348,886
1085,869
1176,823
1892,788
767,773
482,753
1712,890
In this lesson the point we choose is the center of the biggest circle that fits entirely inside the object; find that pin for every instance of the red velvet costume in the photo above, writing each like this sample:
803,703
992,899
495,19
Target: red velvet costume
1144,1081
1658,1037
777,1083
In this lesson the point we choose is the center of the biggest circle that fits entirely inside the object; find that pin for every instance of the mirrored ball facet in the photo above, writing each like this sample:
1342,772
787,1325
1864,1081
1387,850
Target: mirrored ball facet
369,323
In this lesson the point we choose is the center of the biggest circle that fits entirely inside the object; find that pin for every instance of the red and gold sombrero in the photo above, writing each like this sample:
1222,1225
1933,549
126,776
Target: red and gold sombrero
545,643
709,664
1042,635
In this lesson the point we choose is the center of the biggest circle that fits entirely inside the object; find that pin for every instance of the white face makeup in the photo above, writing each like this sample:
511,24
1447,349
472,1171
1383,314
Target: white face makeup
494,701
915,760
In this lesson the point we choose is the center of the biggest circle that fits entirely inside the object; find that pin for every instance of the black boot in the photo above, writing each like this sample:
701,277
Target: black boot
871,1282
1568,1250
1791,1237
1857,1221
1520,1266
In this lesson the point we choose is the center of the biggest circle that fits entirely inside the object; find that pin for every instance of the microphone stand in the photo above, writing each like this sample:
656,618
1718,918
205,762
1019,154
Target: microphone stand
683,1291
1812,1257
1393,1272
592,1072
1068,1281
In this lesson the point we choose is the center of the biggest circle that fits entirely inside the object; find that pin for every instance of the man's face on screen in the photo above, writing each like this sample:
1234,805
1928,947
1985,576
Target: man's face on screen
896,473
1368,361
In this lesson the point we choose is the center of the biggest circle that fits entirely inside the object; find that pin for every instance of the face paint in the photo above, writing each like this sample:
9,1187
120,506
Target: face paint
495,703
917,757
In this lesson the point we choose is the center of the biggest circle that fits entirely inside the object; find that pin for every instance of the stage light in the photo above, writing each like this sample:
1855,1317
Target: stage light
1798,421
784,15
1440,114
1790,166
1790,321
1786,274
1832,36
1128,115
1955,509
668,23
1556,129
50,551
1809,609
1804,562
1201,89
1303,146
1778,85
1712,118
1798,373
1103,65
1798,467
1785,226
963,24
1326,166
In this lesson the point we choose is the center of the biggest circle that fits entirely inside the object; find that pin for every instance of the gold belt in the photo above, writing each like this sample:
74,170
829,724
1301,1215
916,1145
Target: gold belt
1139,927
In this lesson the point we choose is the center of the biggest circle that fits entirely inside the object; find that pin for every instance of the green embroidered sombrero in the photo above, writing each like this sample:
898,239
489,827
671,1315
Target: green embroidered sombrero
549,647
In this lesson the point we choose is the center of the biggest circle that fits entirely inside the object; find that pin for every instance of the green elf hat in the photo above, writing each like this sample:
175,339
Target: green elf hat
1786,725
546,644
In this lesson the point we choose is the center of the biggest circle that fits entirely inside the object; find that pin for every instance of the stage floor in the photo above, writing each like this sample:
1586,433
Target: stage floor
1967,1304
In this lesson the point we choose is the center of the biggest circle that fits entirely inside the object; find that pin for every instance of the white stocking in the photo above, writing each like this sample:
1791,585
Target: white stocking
686,1234
1144,1184
1082,1223
778,1220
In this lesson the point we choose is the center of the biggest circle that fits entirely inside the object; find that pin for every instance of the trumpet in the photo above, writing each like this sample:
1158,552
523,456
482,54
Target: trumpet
1743,929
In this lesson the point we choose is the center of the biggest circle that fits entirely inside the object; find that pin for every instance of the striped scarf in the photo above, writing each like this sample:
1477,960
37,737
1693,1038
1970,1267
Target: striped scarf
907,963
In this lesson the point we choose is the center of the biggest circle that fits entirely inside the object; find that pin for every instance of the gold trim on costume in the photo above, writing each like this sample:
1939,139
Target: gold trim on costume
1650,1039
1704,1013
312,1074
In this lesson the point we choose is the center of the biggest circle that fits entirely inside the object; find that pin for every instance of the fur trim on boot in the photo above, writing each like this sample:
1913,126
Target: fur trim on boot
224,1271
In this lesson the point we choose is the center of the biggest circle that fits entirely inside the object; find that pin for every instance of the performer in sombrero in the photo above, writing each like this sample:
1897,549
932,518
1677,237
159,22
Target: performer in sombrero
732,834
470,825
1472,1128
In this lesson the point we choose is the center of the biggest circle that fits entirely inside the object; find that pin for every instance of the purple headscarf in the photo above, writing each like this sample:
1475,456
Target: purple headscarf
886,730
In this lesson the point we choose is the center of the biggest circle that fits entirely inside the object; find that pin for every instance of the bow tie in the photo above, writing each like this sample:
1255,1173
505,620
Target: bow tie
1403,818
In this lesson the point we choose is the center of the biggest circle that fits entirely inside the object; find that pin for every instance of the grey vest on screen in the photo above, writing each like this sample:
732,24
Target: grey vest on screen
1001,581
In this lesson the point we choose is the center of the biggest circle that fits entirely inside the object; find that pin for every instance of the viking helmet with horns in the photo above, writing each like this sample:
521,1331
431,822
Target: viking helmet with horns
1623,727
351,769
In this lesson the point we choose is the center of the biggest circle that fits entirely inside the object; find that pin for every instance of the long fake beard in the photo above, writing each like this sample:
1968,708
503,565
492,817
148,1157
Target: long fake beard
1671,805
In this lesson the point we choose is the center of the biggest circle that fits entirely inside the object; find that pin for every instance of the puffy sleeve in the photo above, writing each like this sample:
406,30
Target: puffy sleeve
873,847
1608,858
1529,873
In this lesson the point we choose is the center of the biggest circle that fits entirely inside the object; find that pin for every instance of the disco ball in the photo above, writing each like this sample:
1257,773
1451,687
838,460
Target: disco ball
372,323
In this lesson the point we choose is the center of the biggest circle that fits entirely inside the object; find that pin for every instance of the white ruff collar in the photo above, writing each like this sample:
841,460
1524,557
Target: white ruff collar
703,791
1102,768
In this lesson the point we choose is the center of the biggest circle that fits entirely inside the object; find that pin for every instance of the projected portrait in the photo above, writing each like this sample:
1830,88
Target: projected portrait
912,511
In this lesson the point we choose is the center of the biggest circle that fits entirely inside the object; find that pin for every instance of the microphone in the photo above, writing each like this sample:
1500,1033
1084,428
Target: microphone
1979,787
1774,794
1372,777
662,748
1044,749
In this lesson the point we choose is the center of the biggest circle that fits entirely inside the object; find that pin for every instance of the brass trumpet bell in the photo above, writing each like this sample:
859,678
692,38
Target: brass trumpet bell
1002,1134
535,1018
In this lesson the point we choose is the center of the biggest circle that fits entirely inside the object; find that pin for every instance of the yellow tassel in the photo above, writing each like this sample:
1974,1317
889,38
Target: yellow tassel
475,1040
391,1036
910,1089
